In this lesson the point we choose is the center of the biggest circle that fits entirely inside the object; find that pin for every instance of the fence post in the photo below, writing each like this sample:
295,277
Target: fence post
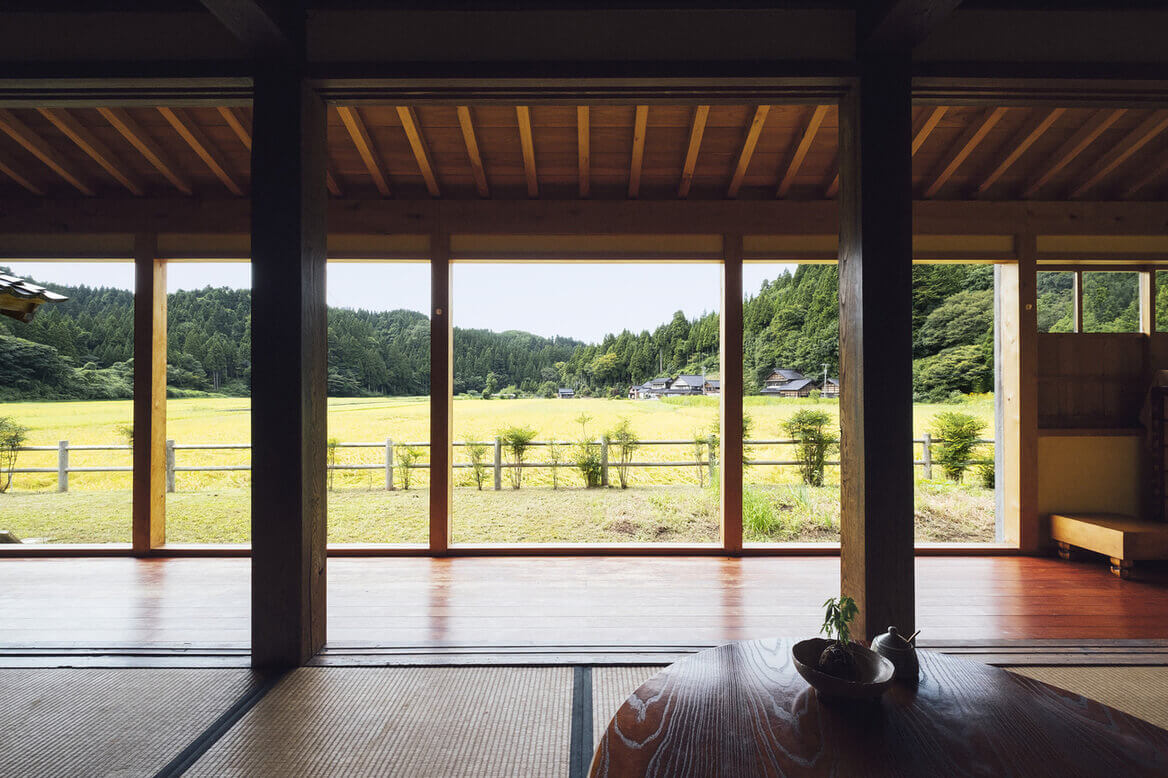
498,464
713,460
927,455
603,462
389,464
62,465
170,465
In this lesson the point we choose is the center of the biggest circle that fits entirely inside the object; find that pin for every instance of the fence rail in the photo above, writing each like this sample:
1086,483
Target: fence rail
496,465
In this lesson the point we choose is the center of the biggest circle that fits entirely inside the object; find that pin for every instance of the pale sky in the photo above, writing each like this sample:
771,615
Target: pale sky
578,300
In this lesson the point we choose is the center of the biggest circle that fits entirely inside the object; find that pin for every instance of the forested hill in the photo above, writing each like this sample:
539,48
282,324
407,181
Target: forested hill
82,348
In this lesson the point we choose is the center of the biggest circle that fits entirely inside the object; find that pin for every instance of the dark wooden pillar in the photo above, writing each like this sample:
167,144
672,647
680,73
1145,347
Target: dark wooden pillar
441,382
149,395
731,394
876,344
289,369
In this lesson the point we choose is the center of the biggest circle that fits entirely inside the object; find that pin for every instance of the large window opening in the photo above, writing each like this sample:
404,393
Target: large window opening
66,410
208,406
378,447
586,402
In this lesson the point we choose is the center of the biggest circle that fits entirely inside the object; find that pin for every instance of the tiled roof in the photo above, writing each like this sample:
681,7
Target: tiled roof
19,299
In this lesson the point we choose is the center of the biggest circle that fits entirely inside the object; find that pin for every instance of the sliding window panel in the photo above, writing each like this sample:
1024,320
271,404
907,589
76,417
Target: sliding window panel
66,409
378,407
585,402
1111,301
1056,301
208,407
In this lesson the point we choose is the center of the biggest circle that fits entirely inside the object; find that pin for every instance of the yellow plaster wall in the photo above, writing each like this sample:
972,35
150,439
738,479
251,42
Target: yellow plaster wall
1089,474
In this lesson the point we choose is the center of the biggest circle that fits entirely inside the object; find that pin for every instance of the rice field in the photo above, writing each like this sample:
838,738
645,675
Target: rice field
666,504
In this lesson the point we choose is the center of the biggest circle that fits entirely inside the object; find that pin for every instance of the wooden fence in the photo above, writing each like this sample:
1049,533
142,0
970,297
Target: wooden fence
496,465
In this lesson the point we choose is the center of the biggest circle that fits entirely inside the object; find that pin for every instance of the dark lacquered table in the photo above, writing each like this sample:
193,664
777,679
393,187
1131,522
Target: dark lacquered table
743,710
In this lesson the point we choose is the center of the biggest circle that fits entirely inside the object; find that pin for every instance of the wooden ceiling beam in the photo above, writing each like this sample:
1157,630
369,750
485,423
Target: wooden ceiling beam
899,25
748,146
928,124
640,124
1018,145
39,148
194,136
10,170
466,123
1149,178
1099,122
584,150
413,128
832,180
527,141
969,140
254,23
801,149
351,118
696,130
92,146
137,137
1135,140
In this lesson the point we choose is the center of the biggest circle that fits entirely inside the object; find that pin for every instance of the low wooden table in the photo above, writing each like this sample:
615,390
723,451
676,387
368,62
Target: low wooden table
1123,539
743,710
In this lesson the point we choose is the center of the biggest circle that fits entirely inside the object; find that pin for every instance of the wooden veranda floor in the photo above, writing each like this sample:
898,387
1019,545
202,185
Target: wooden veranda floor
534,601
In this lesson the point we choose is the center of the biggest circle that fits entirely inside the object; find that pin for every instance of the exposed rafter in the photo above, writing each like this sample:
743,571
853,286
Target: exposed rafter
969,140
696,130
900,24
39,148
832,188
1099,122
8,169
1123,150
193,134
1017,146
640,124
801,148
527,141
236,124
466,123
121,121
351,118
748,146
92,146
928,124
1149,178
584,150
253,23
413,128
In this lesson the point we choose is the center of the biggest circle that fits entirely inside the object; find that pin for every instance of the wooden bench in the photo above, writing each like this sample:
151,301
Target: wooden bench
1123,539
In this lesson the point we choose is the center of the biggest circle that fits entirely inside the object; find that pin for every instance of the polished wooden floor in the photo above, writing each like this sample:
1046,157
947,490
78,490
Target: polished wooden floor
567,601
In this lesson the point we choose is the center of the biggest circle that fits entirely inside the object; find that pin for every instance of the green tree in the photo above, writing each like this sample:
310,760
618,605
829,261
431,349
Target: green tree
517,441
957,435
12,437
407,457
626,442
815,438
477,452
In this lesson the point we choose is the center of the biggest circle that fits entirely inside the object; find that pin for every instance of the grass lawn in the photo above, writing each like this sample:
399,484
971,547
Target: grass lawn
664,504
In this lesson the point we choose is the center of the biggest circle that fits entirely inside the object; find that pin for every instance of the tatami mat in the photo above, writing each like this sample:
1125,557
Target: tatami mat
611,686
87,722
1139,691
422,721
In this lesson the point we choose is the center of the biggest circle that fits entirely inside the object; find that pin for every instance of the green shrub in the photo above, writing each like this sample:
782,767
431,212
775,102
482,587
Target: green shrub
332,444
12,437
626,442
815,440
957,434
986,474
517,440
478,462
406,457
758,512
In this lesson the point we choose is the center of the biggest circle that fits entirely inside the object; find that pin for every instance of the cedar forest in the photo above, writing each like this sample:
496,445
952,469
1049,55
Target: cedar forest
83,348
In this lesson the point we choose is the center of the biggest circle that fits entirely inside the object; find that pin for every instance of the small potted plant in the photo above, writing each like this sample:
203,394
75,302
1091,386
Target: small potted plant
837,658
838,666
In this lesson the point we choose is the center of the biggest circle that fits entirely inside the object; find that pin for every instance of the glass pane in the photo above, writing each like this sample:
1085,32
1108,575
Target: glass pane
791,383
1111,302
379,404
66,388
208,406
559,356
954,409
1056,301
1162,301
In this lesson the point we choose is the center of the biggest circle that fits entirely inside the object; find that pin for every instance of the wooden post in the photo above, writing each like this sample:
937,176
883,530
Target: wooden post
730,323
289,368
150,450
170,466
1018,346
441,396
498,464
927,456
603,443
712,461
876,494
1148,302
62,465
388,465
1077,302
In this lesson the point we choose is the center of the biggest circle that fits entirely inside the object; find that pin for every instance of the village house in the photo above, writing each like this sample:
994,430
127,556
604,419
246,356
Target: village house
564,393
712,388
687,385
682,386
784,382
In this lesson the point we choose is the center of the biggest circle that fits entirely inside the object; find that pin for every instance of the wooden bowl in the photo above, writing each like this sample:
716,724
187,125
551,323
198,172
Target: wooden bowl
875,671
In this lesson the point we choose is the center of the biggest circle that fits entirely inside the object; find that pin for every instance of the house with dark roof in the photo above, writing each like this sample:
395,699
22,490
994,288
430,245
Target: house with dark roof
831,388
687,385
713,387
564,393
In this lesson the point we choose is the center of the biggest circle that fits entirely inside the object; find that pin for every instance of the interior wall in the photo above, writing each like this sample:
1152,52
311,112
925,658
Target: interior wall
1089,474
